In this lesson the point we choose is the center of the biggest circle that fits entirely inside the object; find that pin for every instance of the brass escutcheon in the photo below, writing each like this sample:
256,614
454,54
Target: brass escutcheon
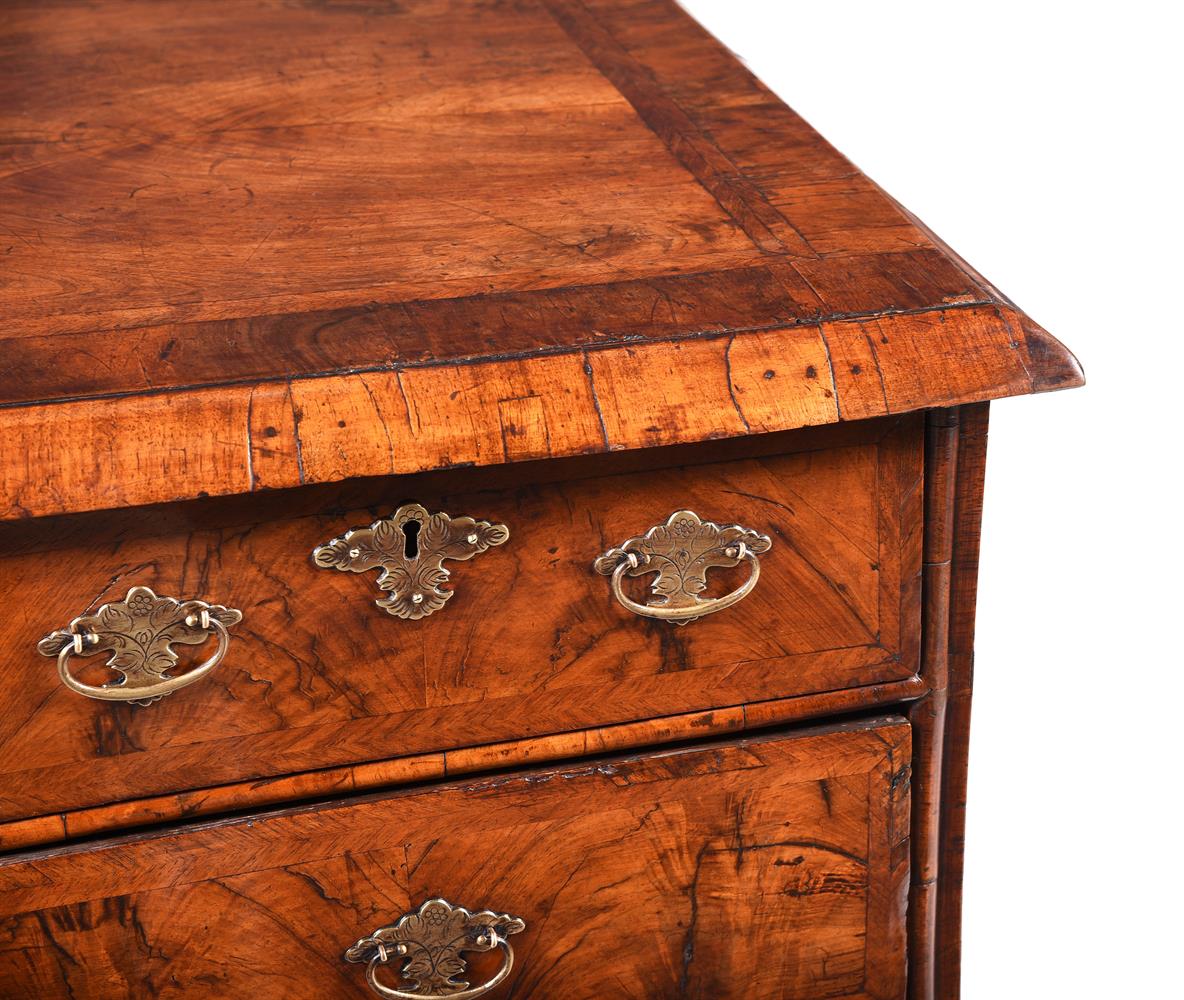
139,632
680,552
410,547
430,942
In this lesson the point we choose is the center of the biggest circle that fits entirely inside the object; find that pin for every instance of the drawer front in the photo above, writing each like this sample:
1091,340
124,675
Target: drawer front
756,868
531,642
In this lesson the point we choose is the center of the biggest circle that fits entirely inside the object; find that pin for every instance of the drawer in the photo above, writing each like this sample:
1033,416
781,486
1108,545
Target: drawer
531,642
758,868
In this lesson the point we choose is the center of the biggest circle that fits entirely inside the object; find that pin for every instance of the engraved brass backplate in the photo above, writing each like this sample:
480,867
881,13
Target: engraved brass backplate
680,552
430,942
139,632
410,548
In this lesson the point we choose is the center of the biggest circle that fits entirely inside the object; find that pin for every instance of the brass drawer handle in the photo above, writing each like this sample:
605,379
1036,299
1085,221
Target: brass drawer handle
410,547
431,940
681,551
139,632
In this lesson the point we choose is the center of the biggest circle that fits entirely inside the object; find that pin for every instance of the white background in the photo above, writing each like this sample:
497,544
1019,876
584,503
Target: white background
1041,141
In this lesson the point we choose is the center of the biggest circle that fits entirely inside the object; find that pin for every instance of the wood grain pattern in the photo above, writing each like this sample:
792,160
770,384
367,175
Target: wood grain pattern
261,155
532,643
771,868
564,264
968,509
287,216
955,466
332,781
929,713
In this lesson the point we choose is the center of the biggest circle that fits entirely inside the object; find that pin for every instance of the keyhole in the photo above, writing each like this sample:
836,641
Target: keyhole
411,539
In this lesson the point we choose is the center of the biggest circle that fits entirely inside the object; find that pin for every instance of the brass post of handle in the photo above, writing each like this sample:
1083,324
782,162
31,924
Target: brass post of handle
680,552
430,942
139,632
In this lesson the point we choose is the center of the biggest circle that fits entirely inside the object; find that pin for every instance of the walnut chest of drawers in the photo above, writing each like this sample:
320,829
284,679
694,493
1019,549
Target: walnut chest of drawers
489,505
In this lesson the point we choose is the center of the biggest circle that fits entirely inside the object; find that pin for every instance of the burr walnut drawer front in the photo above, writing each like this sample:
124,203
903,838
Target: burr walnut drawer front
763,868
289,663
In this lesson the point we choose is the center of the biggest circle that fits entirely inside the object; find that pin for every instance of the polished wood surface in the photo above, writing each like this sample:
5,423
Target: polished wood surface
928,714
955,463
258,244
332,781
968,509
271,268
772,868
531,643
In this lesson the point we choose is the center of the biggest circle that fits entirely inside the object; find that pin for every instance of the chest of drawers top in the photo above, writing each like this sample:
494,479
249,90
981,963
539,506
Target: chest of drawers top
260,245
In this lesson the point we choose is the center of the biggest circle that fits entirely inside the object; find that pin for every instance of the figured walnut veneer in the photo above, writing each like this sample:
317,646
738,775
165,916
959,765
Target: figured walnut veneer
531,643
774,869
257,244
269,270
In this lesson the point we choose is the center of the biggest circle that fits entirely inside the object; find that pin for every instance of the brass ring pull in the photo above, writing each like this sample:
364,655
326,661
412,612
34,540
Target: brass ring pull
139,632
680,552
378,962
682,615
431,941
